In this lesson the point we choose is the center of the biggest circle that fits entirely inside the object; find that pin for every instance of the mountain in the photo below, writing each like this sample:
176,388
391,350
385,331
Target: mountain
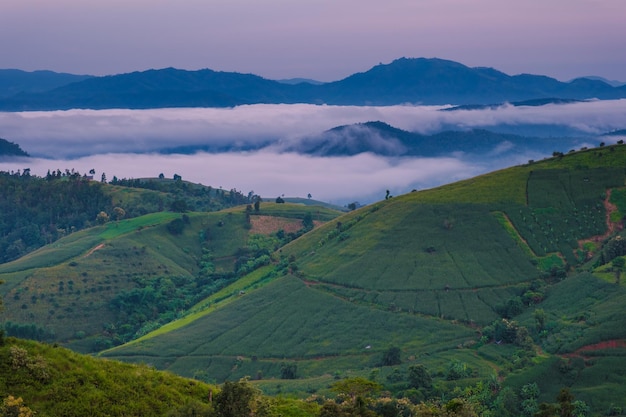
10,149
419,80
614,83
514,271
13,81
382,139
300,80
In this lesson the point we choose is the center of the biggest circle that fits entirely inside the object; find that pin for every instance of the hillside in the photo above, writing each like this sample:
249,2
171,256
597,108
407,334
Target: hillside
13,81
109,284
35,211
414,80
53,381
383,139
512,273
10,149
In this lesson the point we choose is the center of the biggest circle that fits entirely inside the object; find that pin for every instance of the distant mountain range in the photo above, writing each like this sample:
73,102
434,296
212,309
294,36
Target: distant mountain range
406,80
13,81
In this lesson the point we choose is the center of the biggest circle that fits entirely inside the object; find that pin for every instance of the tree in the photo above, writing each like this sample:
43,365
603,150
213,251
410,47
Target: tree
618,265
103,178
309,196
102,217
566,399
257,203
391,357
307,221
235,399
288,371
419,377
161,176
118,213
540,319
279,200
179,206
356,387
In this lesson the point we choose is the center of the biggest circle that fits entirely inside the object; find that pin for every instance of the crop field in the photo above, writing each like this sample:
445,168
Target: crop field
263,325
431,259
563,208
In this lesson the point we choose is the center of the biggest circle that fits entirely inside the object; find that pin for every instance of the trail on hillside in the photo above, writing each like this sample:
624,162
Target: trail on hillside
611,227
605,345
100,246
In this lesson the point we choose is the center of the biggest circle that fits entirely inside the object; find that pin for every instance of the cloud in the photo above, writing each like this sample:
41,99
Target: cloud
76,133
363,177
126,143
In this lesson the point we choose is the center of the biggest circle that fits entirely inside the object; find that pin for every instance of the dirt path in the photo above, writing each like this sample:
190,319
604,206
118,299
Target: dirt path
100,246
607,344
611,227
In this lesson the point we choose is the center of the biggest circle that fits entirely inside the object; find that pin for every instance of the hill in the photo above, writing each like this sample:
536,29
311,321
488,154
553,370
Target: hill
53,381
39,210
10,149
506,274
415,80
109,284
382,139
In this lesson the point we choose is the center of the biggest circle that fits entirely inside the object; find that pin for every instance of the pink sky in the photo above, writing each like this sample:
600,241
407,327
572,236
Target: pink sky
320,39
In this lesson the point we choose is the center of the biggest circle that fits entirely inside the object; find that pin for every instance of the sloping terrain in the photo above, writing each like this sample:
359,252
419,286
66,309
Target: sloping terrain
53,381
109,284
485,275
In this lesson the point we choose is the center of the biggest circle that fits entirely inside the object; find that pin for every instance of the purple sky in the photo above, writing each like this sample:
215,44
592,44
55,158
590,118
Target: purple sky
320,39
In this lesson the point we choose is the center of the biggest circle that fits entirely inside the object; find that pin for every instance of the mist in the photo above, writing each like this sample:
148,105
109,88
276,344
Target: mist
255,148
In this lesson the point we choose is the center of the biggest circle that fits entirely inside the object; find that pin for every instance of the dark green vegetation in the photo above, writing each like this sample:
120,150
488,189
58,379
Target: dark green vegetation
38,211
510,275
10,149
109,284
426,81
53,381
486,297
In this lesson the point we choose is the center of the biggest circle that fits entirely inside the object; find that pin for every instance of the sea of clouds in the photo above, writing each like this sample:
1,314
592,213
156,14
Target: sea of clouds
247,144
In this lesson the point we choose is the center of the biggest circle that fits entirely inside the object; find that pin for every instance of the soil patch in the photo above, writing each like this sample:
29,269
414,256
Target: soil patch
271,224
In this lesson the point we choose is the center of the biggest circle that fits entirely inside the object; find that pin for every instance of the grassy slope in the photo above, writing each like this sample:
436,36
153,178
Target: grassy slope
66,287
418,271
54,381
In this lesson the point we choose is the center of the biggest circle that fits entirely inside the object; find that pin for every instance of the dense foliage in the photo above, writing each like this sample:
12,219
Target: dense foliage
36,211
46,380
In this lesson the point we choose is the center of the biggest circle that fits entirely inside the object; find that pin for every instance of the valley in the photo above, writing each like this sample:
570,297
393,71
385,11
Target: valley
511,275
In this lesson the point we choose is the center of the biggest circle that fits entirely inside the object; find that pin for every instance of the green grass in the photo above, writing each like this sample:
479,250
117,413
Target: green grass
68,384
264,324
426,272
67,287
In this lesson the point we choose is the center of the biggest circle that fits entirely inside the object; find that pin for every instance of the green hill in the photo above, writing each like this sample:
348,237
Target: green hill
53,381
506,274
109,284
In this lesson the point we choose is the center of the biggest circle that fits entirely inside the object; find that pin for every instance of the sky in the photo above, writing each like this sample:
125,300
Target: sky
319,39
